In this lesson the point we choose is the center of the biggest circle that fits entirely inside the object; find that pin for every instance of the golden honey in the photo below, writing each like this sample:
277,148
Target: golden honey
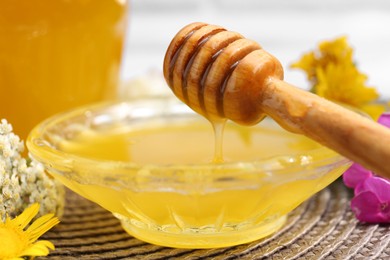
199,207
57,54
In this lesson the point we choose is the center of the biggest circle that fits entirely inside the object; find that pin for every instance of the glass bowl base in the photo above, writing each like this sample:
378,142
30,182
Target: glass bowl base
198,240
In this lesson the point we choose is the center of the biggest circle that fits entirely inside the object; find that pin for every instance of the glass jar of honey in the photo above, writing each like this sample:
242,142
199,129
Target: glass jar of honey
57,54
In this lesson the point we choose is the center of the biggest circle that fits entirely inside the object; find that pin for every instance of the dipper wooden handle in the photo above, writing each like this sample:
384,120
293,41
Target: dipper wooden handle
220,74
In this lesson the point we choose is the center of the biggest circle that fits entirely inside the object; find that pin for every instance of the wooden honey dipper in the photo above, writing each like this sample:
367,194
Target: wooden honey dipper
222,75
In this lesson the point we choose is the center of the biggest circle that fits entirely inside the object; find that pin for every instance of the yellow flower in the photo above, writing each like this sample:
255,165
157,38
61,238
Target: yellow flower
16,242
334,75
329,52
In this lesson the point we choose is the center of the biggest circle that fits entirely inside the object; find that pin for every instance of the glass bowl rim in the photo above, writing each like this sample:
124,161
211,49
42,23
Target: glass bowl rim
45,153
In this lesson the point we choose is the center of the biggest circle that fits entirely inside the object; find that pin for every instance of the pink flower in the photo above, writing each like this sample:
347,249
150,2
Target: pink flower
371,202
355,175
384,119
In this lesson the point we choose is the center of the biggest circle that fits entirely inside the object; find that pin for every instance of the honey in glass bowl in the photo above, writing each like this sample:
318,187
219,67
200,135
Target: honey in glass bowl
150,162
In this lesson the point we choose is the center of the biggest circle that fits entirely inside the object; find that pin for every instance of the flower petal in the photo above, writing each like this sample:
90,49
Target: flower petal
355,175
27,215
367,208
378,186
359,188
48,220
384,119
374,110
41,226
40,248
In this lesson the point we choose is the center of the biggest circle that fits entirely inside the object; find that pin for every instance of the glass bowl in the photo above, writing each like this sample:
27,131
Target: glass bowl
149,162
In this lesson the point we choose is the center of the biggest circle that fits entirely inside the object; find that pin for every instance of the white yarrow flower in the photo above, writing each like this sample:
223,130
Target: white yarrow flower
24,182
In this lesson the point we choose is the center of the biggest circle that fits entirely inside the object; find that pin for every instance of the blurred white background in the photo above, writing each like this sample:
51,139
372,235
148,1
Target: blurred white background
285,28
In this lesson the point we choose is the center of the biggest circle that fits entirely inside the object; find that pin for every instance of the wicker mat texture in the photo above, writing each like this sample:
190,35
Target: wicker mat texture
321,228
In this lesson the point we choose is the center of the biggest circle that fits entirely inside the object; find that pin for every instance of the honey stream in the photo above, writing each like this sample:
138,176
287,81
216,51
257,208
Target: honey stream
218,127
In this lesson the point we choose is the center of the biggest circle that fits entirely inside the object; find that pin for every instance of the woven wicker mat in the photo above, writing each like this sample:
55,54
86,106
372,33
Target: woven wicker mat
321,228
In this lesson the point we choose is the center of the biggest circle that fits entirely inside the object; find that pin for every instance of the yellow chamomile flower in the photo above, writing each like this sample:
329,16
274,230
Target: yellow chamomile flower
17,241
334,75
